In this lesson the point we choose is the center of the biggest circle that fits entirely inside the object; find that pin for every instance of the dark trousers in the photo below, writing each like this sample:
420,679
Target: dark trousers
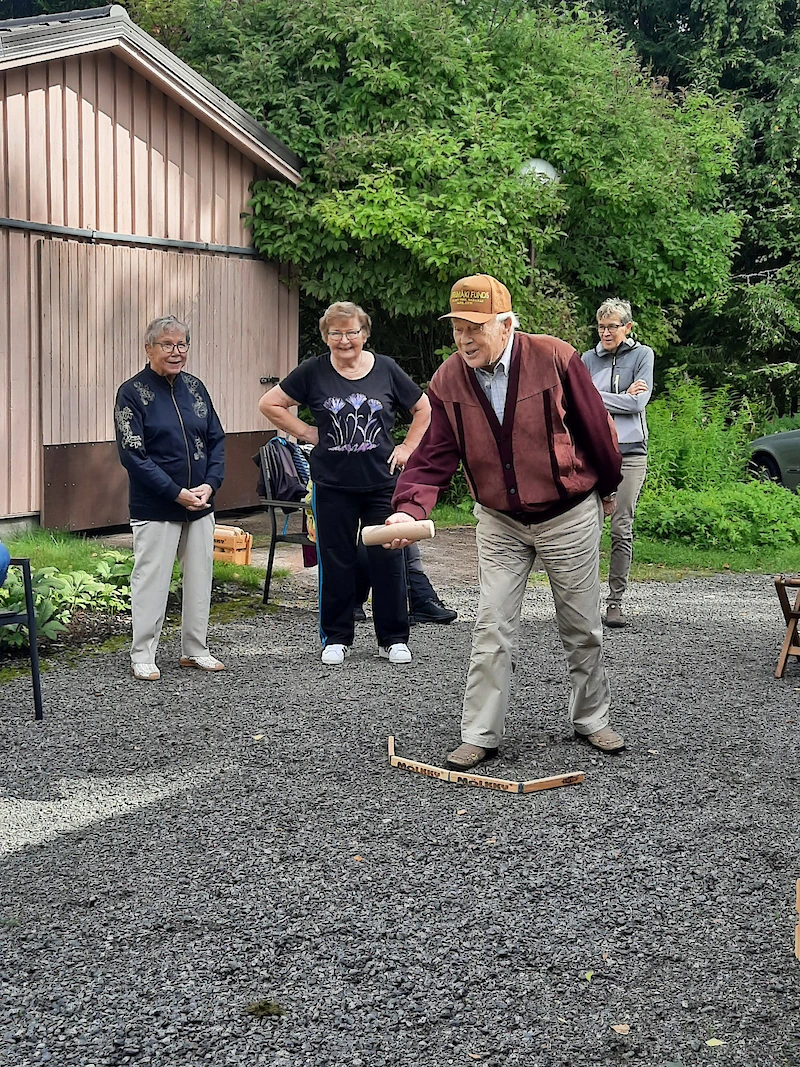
338,515
420,590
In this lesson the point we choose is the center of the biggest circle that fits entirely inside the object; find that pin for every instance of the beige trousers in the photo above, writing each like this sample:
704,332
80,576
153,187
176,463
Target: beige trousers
568,547
155,545
634,470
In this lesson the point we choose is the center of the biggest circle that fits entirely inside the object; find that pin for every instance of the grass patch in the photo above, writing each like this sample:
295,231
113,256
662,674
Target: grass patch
20,670
246,577
57,548
445,515
668,561
73,552
665,561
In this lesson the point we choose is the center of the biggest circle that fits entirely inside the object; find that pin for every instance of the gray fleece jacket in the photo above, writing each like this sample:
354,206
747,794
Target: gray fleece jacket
612,374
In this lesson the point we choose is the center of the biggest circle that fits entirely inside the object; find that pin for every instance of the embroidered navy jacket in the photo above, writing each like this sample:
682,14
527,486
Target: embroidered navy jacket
169,438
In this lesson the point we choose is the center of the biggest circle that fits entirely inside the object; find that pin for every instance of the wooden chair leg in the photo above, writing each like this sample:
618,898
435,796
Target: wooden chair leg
783,598
788,642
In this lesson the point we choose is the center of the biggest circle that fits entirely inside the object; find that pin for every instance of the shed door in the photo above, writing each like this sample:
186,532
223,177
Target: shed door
96,301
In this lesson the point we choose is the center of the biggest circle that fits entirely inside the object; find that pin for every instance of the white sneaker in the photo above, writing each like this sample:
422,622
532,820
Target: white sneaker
203,663
398,653
145,672
333,655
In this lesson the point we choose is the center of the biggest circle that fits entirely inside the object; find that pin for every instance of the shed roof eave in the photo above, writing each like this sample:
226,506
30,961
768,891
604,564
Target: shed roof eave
44,43
243,137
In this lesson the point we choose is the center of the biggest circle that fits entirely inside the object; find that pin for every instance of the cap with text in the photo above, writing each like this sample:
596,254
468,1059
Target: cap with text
478,299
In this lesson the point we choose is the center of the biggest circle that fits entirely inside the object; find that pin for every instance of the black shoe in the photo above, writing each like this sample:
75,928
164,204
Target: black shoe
359,615
433,611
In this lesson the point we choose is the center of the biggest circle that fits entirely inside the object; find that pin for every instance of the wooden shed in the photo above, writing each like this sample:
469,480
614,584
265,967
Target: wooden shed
123,178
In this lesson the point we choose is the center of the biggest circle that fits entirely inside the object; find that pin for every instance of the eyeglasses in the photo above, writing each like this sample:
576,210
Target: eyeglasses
167,346
337,335
610,327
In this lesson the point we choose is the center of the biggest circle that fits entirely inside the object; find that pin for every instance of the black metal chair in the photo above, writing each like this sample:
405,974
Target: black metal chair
272,506
27,618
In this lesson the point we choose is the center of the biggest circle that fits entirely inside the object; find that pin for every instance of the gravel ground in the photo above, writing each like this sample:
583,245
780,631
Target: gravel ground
173,852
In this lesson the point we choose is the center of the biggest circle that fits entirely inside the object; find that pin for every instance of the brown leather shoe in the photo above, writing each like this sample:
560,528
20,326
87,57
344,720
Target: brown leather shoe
467,756
607,739
615,618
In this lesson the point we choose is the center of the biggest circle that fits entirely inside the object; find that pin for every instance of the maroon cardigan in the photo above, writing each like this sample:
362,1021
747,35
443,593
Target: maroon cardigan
555,446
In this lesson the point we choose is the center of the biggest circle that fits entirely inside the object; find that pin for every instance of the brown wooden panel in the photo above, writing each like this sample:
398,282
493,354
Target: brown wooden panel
86,487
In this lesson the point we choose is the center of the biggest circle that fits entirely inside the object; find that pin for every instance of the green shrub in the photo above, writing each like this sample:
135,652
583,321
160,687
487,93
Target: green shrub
740,516
115,568
698,439
50,620
788,422
457,494
58,594
79,591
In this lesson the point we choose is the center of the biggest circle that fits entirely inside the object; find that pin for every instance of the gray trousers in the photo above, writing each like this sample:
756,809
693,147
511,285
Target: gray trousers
569,549
155,545
634,469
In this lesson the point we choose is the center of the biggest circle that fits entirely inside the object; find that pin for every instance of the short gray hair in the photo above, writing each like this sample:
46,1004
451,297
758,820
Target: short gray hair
345,309
161,325
615,307
509,316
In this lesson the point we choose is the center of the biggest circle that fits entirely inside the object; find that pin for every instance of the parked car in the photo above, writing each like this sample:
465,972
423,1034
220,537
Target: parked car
777,457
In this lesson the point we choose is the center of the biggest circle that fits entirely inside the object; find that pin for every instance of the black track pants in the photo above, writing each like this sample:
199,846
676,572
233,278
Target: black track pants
420,590
338,515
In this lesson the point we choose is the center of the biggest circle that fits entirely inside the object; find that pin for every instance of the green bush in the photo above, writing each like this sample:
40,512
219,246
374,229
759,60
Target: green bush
741,516
698,439
80,591
58,594
787,422
50,621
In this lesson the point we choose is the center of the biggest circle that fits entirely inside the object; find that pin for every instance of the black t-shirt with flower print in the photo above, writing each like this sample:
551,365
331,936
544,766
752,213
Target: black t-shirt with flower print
354,417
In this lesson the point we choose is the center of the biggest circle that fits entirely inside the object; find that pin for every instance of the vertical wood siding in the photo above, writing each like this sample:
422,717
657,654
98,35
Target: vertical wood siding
97,301
19,375
88,143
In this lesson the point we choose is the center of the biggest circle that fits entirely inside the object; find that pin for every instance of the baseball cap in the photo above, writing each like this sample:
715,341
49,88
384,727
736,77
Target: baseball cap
478,298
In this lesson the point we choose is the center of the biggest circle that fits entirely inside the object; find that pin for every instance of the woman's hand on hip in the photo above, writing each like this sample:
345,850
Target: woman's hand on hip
399,457
310,434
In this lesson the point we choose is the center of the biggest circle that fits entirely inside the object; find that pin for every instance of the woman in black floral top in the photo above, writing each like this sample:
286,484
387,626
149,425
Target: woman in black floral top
353,395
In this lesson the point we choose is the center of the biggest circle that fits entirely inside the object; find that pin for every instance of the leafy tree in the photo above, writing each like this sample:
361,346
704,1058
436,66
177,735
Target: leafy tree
748,51
415,119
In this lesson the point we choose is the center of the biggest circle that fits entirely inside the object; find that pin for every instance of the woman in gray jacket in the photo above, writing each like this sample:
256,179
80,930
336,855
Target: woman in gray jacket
622,371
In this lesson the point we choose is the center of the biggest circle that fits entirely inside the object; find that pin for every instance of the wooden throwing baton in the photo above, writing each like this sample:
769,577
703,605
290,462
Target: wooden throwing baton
420,530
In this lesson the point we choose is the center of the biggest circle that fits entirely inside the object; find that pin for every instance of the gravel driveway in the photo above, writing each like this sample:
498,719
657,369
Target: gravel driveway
172,852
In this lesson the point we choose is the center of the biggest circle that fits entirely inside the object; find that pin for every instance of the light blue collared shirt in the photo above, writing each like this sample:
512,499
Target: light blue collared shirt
494,382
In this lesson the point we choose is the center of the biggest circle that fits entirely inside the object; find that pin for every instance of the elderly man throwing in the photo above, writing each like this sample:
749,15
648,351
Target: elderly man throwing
521,414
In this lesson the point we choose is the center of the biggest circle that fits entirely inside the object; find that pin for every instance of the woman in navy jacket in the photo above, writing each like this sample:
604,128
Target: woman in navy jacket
172,445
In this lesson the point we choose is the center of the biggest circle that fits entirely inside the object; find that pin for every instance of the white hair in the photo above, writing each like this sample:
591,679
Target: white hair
509,316
615,307
162,325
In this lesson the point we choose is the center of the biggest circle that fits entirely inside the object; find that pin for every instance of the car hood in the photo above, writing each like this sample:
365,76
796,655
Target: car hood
785,436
